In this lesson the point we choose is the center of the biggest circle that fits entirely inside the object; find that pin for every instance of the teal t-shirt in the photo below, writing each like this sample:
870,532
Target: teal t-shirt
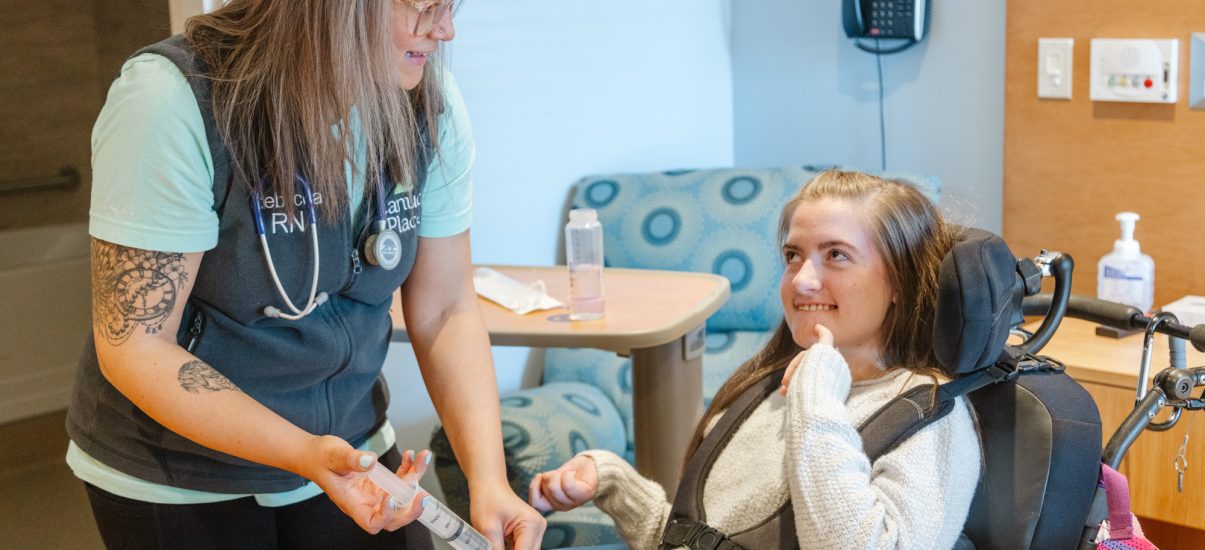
152,188
152,174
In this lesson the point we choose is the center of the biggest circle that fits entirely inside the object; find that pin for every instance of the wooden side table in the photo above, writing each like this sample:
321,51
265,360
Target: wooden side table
656,318
1108,369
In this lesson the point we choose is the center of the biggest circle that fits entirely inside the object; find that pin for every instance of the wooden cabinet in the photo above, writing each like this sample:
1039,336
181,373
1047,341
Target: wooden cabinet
1108,369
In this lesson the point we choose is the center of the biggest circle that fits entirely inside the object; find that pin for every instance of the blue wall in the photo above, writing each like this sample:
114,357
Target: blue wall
804,94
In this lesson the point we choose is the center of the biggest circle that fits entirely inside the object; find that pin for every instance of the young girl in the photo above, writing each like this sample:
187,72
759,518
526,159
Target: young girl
858,294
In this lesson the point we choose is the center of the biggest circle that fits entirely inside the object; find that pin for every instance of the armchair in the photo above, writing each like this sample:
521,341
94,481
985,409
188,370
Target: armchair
720,221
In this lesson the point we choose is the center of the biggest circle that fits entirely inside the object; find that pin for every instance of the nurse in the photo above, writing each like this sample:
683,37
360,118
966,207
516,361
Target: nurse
262,185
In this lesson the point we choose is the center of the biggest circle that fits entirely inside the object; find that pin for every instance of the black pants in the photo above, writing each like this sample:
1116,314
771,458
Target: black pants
234,524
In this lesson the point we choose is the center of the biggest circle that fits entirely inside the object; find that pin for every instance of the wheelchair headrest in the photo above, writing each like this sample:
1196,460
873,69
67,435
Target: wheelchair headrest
977,294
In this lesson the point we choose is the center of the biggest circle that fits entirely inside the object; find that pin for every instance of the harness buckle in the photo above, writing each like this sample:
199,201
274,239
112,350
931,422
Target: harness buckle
696,535
1003,371
1012,367
707,539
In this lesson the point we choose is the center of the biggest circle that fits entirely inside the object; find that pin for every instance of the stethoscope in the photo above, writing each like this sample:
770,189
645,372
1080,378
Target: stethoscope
383,248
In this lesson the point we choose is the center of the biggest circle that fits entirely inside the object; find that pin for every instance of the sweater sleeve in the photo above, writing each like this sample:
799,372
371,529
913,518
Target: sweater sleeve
637,504
916,496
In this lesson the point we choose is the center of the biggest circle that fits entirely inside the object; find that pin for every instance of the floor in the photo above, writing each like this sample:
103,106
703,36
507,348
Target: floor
42,504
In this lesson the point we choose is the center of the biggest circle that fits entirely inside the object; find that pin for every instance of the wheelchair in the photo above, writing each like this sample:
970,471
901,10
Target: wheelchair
1040,430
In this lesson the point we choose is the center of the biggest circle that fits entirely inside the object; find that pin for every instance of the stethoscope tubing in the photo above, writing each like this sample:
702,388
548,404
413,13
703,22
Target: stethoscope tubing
315,299
381,203
312,302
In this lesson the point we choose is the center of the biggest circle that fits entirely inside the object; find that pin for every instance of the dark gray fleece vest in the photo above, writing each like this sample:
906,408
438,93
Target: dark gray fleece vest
321,373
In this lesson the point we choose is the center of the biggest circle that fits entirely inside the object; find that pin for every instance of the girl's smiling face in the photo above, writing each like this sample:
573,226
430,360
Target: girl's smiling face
836,277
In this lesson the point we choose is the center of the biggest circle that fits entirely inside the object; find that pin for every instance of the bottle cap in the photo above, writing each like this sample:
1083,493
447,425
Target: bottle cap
1126,245
583,215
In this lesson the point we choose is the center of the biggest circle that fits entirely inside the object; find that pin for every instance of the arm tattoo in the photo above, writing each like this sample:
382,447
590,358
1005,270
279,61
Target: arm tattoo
196,376
133,287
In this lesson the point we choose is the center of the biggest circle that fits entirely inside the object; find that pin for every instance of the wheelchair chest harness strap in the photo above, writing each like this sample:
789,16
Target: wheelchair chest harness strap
883,431
686,524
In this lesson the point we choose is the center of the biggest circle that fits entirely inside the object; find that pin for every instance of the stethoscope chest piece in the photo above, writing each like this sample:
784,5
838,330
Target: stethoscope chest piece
384,249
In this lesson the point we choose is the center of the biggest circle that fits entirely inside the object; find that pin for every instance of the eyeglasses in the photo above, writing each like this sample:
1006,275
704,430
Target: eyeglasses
431,12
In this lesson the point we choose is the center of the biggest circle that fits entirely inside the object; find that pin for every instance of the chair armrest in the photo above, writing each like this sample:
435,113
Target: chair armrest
542,428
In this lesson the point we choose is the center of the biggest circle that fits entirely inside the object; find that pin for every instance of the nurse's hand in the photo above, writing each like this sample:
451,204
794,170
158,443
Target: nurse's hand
573,484
504,519
339,469
823,336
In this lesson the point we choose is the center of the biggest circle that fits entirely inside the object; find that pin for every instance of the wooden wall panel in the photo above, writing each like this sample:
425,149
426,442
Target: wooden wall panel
57,59
1070,165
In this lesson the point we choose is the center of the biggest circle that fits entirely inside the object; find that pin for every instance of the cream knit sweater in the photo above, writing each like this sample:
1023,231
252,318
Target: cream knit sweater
806,447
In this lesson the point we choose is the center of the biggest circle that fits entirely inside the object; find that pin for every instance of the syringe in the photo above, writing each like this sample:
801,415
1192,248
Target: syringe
437,517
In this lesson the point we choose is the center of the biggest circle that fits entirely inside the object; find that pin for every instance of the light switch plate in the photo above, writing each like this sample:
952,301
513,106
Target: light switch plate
1054,67
1196,72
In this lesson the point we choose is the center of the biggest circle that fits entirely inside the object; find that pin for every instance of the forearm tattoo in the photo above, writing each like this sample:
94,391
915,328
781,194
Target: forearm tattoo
196,376
133,287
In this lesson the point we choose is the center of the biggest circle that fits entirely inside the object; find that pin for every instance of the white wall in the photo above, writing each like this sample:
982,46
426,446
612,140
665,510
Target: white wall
558,89
804,94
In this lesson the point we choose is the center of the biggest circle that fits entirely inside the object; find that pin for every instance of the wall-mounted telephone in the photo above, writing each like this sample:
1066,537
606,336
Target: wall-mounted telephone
898,19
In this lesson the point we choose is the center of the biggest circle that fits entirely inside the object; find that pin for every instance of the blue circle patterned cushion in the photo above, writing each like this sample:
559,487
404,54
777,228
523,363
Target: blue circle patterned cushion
544,426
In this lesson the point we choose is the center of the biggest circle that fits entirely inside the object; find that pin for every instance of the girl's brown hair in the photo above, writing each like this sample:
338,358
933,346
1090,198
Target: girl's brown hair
302,87
912,237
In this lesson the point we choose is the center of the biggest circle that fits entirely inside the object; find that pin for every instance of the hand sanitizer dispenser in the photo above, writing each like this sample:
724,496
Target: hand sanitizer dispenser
1126,275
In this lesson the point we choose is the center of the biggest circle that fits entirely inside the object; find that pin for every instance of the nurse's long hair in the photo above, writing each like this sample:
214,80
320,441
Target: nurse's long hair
911,236
287,78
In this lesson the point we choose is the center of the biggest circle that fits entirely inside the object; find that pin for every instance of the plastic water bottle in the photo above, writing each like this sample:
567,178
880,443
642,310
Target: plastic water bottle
584,251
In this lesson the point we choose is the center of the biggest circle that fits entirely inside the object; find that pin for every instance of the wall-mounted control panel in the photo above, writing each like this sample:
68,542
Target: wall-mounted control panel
1134,70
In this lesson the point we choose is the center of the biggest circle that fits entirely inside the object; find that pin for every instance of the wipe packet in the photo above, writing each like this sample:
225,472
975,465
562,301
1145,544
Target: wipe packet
511,294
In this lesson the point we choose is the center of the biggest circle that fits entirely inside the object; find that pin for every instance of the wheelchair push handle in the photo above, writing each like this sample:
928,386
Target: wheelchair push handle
1113,314
1054,307
1100,312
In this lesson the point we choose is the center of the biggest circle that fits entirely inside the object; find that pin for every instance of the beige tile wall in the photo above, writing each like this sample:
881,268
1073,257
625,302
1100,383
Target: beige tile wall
57,58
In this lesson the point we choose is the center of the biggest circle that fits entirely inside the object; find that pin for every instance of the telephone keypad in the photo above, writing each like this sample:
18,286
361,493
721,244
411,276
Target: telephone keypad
887,19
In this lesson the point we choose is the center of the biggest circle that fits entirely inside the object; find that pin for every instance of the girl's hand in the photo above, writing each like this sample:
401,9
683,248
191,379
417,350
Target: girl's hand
339,470
565,488
823,336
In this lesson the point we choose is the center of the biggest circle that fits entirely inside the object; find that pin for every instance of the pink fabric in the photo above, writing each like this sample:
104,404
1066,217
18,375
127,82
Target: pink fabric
1121,525
1117,491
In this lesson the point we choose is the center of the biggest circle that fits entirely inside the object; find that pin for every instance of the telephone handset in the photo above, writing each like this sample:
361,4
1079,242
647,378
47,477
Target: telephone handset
888,19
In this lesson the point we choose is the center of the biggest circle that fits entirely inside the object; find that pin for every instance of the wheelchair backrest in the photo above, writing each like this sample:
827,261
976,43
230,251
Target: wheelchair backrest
1041,438
1040,433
